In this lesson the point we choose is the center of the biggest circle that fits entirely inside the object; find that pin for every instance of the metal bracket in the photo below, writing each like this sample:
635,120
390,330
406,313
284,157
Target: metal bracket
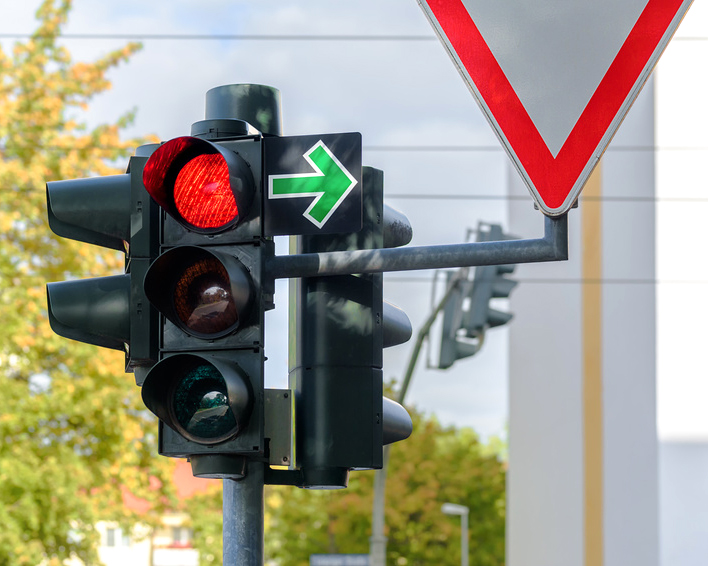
552,247
279,426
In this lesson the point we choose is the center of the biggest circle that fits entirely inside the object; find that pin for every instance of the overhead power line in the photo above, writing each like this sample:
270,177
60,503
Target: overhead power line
525,197
480,197
524,280
430,148
569,281
484,148
253,37
228,37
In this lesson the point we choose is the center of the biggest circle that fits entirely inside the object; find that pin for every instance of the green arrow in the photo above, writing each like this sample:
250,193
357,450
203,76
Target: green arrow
330,183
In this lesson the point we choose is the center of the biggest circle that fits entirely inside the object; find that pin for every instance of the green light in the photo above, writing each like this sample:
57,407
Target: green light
201,404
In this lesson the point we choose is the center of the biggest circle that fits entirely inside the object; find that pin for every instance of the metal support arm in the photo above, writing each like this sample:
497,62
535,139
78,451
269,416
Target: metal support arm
552,247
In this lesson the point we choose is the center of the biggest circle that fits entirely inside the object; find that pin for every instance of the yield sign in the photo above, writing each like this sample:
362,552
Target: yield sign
555,78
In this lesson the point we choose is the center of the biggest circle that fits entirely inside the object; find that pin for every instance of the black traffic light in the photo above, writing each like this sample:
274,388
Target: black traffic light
208,286
467,313
112,312
339,326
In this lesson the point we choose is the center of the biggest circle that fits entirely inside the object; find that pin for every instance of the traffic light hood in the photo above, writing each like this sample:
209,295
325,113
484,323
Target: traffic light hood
95,210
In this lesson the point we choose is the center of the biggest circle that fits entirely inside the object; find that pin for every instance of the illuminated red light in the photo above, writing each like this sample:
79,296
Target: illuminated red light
204,187
202,192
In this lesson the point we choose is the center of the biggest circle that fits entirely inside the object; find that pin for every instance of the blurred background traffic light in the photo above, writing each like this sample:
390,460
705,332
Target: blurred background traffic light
468,312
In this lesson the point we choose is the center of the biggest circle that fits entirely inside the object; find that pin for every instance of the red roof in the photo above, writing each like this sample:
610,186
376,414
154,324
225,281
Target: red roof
186,486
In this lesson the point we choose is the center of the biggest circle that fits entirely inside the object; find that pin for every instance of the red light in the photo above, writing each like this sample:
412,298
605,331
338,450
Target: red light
203,186
202,192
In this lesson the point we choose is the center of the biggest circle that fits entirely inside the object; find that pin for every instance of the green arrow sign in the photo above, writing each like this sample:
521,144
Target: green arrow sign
328,185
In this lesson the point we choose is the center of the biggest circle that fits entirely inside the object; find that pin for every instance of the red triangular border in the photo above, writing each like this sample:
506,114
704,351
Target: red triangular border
553,178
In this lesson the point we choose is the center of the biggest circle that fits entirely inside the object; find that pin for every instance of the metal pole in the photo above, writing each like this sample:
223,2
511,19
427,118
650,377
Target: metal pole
243,518
464,514
465,539
552,247
258,105
377,542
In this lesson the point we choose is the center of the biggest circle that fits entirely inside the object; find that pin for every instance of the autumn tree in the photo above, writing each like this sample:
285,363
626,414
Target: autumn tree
435,465
72,426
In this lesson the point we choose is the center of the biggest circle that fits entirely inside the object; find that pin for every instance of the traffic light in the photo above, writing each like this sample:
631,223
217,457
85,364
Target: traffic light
111,312
339,327
208,285
467,314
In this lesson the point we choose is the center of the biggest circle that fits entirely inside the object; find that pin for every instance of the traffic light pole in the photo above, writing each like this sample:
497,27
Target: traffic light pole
243,518
552,247
243,500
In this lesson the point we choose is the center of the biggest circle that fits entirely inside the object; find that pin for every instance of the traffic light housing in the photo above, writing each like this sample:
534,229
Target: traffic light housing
208,286
339,327
111,312
467,314
189,308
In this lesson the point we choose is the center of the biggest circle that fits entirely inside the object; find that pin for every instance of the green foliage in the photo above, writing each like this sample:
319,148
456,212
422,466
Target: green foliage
435,465
72,425
205,511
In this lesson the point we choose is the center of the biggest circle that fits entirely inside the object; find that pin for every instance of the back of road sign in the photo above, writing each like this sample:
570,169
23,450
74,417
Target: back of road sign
555,78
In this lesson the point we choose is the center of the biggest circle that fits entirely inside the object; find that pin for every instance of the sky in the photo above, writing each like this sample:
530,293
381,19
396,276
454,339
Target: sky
443,165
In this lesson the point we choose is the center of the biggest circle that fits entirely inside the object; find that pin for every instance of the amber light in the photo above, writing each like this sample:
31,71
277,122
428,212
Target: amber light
203,298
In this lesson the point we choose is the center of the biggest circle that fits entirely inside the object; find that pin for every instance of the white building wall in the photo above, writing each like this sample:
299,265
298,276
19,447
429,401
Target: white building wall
548,520
682,291
628,348
544,482
133,549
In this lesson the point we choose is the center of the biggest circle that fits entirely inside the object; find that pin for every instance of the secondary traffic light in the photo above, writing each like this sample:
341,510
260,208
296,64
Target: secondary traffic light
339,327
111,312
467,314
208,285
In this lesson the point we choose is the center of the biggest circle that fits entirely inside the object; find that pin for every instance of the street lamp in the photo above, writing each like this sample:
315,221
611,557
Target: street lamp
464,513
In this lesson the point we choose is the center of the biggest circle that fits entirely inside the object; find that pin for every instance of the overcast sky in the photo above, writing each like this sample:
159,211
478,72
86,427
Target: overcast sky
401,91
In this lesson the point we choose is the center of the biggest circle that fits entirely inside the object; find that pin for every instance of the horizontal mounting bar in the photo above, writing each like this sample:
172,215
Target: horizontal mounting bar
552,247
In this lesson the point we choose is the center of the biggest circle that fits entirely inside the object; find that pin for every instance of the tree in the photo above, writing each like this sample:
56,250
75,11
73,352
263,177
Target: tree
72,429
206,518
436,464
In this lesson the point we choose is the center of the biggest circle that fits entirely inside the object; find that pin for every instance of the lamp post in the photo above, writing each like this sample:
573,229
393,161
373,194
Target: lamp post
464,513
